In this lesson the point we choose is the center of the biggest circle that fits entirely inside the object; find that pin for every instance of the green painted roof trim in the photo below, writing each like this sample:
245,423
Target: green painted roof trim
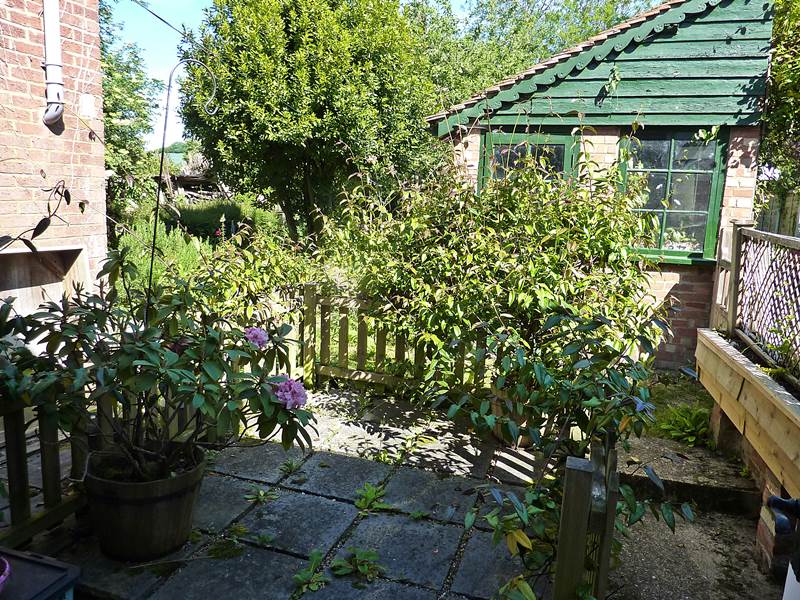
443,124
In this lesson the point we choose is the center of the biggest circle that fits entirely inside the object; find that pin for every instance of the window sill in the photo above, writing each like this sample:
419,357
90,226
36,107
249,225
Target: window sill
676,259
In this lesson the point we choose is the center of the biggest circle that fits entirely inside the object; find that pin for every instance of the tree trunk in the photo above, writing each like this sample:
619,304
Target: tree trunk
291,222
313,212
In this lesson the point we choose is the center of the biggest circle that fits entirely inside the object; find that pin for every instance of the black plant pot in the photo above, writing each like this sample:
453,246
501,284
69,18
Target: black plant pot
137,521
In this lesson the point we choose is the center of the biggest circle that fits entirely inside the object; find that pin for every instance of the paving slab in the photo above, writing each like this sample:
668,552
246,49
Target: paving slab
103,577
298,522
412,551
221,500
484,567
347,589
257,574
260,463
442,496
447,447
336,475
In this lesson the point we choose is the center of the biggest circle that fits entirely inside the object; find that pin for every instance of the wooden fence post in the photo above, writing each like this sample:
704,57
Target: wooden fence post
735,274
575,508
309,334
17,466
51,463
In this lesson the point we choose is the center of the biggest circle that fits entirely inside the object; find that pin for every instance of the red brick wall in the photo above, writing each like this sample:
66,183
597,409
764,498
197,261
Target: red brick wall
35,157
687,289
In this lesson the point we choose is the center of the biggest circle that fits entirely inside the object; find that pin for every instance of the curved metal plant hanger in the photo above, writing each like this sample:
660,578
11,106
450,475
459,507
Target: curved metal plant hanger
209,111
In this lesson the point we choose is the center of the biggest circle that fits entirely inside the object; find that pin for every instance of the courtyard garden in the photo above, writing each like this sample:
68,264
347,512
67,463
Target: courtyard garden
377,363
490,428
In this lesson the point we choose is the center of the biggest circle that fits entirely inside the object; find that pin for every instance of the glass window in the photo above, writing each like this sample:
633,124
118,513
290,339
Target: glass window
679,170
507,157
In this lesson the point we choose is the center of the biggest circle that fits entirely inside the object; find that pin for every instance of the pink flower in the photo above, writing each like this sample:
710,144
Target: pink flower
218,232
291,393
256,336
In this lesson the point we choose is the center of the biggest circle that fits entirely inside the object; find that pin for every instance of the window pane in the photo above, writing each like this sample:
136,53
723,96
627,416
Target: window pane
653,197
506,157
652,226
551,154
693,155
685,232
690,191
650,154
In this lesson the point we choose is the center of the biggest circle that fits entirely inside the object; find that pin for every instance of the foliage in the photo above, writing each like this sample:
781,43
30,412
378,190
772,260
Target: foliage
535,243
177,256
781,144
289,467
498,39
304,87
129,102
370,497
686,423
532,284
204,219
308,579
147,362
261,496
360,563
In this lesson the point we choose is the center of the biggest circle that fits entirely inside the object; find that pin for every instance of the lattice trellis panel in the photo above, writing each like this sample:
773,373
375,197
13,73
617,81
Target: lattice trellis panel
769,295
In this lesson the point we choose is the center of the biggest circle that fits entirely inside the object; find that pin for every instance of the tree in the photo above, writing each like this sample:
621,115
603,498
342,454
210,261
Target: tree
129,100
500,38
781,145
308,93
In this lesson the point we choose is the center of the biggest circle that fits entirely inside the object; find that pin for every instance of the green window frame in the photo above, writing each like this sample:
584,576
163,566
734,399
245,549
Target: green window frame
673,208
492,140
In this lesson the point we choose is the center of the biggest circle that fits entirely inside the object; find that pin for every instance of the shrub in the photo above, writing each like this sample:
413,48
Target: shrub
686,423
202,219
178,255
451,266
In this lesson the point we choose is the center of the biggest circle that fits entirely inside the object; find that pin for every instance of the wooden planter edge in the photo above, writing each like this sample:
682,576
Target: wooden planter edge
766,414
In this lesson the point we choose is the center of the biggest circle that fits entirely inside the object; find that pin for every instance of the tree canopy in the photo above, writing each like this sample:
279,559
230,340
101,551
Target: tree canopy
129,101
496,39
781,144
308,91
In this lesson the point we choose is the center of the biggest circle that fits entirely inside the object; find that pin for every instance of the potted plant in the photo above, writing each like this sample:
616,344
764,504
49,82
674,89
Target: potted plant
161,375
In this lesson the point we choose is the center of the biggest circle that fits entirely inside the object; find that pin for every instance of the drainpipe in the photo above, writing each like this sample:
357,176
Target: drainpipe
53,67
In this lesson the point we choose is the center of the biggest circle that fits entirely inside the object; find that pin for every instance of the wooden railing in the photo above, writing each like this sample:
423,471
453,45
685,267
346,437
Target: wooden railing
22,445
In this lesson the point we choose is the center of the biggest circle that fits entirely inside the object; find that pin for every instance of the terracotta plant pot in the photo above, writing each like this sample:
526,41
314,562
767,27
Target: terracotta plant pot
139,521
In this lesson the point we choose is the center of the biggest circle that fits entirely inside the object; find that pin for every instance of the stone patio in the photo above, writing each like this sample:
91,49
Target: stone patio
433,471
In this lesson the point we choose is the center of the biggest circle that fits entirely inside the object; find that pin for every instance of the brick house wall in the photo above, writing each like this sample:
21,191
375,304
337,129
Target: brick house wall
34,157
688,290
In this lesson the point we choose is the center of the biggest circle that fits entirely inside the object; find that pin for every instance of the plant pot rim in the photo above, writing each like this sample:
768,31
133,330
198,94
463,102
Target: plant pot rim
187,474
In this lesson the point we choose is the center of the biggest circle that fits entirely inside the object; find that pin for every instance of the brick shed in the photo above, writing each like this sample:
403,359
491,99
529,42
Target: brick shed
693,73
35,157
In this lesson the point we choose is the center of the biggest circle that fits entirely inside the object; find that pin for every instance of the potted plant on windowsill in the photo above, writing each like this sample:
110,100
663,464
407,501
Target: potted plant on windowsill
162,376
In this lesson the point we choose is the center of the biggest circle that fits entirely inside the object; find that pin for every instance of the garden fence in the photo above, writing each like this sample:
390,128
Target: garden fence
759,295
26,437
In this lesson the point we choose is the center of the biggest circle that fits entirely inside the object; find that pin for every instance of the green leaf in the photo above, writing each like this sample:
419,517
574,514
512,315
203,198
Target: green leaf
655,478
687,512
669,515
